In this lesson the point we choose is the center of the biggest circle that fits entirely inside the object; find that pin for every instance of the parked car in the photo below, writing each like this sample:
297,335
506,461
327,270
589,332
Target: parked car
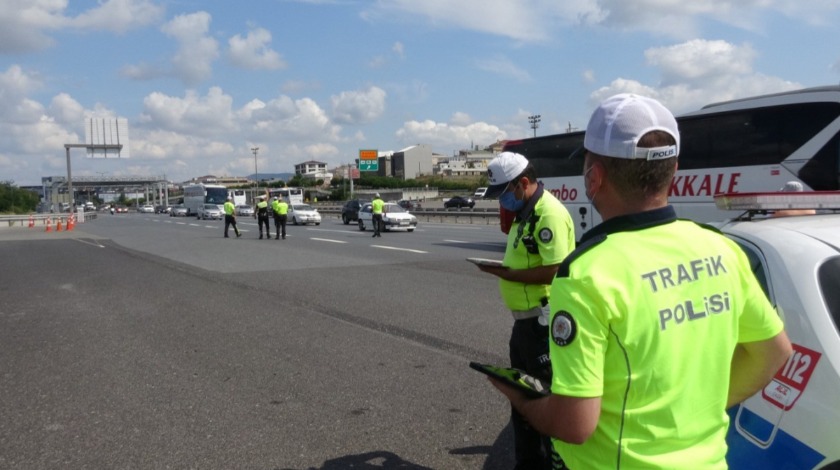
303,214
409,205
394,217
350,211
793,421
210,211
480,192
459,202
146,209
178,211
244,210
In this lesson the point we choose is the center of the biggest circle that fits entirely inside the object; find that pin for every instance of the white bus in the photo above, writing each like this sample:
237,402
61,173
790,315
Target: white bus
196,195
749,145
238,196
291,195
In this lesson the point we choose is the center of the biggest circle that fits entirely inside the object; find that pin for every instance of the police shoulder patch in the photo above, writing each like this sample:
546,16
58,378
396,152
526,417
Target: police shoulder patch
563,328
546,235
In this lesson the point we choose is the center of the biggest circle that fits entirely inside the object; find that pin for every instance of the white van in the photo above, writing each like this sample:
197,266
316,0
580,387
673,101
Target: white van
480,192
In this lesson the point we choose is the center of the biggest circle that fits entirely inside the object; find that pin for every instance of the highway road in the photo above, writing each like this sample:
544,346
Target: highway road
147,341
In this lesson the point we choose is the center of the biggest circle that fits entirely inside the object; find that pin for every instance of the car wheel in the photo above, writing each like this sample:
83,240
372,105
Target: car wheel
345,219
361,225
317,223
411,230
294,220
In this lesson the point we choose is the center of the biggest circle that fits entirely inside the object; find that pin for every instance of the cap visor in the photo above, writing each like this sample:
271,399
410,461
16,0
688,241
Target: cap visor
495,191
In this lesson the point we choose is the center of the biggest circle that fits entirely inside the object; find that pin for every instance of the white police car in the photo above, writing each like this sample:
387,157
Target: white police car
794,422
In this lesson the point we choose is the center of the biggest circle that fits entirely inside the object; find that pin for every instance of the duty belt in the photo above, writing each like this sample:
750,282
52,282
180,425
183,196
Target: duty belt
526,314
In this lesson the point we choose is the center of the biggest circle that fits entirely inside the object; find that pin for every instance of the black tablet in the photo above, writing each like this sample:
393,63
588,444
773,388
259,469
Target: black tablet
532,386
485,262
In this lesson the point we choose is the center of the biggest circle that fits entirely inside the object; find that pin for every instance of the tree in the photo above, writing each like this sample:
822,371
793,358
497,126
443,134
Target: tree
15,200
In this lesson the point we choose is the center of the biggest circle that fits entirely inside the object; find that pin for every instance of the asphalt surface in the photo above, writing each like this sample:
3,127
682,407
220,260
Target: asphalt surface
143,341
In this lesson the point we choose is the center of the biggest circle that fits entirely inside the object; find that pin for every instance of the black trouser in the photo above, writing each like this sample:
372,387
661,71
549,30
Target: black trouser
376,220
529,352
230,220
280,224
263,220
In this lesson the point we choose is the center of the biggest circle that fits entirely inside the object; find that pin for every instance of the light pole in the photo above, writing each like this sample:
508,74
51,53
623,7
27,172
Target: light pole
534,120
256,173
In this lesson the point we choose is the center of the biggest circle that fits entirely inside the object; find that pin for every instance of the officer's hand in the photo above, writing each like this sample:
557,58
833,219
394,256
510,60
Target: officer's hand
512,393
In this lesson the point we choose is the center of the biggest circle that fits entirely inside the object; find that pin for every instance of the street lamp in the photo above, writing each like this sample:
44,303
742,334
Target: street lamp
534,120
256,173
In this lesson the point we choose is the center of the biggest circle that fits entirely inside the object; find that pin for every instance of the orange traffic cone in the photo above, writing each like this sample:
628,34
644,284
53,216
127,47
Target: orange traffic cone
71,222
31,220
58,225
49,224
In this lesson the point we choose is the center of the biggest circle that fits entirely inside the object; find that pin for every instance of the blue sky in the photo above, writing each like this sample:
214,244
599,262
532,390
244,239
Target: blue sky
201,82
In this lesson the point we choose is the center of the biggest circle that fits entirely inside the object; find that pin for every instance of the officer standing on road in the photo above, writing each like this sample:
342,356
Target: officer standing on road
541,236
377,206
658,324
230,217
281,210
261,212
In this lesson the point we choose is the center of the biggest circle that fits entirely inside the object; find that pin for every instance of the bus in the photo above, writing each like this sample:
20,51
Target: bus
196,195
748,145
291,195
238,197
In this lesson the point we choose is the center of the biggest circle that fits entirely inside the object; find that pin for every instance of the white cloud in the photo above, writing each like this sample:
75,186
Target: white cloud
358,107
253,52
399,49
442,135
699,72
504,67
196,50
118,15
193,114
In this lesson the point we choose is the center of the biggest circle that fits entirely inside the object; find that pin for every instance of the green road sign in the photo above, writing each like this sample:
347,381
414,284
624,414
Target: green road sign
368,165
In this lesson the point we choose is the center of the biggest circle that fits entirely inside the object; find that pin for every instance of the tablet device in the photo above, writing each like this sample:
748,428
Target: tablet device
532,386
485,261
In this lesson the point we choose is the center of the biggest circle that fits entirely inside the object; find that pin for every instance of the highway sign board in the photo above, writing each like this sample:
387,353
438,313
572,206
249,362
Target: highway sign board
368,160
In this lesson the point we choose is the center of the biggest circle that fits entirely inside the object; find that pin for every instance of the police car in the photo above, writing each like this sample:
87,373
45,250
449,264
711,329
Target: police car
794,422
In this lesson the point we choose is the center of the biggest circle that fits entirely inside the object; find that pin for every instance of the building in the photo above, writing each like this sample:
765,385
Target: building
410,162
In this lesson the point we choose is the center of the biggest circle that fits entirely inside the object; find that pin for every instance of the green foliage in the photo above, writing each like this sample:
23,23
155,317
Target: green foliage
14,200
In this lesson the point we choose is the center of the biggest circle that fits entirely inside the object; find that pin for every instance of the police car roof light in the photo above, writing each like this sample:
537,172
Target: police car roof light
778,201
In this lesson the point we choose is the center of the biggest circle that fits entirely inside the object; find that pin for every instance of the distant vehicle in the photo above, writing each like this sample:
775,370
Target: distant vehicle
480,192
291,195
197,195
409,205
147,209
244,210
794,421
303,214
394,217
350,211
121,209
210,211
459,202
237,197
178,211
162,209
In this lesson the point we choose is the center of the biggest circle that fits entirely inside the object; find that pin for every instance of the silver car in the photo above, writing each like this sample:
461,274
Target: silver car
210,211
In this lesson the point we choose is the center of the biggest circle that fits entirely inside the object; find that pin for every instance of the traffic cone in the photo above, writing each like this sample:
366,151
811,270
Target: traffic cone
49,224
71,222
58,225
31,221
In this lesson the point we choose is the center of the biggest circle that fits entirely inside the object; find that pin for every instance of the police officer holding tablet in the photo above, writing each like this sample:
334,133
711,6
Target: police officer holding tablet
542,235
658,325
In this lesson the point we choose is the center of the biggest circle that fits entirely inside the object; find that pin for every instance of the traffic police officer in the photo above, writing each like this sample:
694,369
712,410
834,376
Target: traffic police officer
542,235
377,207
261,211
658,324
281,210
230,217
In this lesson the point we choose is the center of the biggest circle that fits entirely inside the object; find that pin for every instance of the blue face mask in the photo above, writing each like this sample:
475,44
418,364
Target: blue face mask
508,201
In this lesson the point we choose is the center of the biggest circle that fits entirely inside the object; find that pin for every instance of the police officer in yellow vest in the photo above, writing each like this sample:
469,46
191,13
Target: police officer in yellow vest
281,211
230,217
261,213
658,325
542,235
377,207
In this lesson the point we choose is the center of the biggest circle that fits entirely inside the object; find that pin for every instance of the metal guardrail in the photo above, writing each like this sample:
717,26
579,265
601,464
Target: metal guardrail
39,219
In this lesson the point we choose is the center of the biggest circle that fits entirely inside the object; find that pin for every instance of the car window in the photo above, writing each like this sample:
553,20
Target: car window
757,264
302,207
393,208
366,208
828,276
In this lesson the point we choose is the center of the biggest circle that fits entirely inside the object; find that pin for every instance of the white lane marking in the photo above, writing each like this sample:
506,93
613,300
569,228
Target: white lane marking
328,230
328,240
194,225
89,243
398,249
456,241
